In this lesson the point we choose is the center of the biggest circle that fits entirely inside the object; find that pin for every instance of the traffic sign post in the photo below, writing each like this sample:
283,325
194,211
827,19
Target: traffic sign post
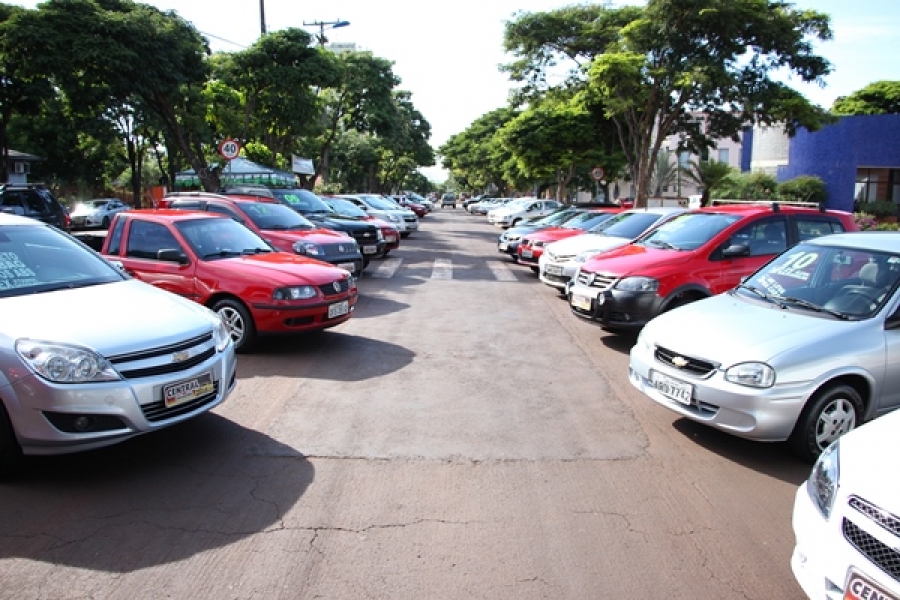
229,149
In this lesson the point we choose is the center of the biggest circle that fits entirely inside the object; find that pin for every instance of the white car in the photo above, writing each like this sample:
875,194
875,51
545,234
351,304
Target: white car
386,209
96,213
484,206
511,213
561,260
847,518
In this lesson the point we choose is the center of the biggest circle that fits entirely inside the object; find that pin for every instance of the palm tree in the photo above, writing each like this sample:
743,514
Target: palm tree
665,173
707,174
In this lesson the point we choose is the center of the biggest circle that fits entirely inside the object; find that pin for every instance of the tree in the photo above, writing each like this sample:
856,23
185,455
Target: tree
707,175
475,158
116,53
879,98
665,173
698,68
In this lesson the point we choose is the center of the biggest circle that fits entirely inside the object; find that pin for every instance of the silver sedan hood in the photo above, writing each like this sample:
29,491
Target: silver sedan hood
111,318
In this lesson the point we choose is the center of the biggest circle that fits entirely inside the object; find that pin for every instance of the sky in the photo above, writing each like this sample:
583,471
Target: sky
447,53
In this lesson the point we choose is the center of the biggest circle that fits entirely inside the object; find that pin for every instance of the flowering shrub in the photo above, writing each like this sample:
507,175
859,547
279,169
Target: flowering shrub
865,222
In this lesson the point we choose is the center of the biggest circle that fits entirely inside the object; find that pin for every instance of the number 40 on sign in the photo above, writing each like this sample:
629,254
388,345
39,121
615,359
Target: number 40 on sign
229,149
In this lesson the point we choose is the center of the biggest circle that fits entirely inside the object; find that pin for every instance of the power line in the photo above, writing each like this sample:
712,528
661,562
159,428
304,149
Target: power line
221,39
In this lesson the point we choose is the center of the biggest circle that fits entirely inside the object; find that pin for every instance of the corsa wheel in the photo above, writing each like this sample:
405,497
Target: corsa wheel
239,322
831,413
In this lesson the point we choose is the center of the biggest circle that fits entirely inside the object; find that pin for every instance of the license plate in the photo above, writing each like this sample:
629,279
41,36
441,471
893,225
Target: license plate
347,266
672,388
582,302
185,391
553,270
860,587
370,249
502,246
338,309
527,253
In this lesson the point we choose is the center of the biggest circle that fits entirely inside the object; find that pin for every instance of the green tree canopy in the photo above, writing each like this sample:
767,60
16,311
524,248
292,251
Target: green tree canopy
878,98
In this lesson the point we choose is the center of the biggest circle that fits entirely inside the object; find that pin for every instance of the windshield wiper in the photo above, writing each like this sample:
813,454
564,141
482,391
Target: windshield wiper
663,244
813,307
221,254
247,251
762,294
71,285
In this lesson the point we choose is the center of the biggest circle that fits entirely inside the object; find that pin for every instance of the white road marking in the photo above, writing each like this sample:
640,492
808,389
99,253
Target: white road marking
501,271
442,269
387,268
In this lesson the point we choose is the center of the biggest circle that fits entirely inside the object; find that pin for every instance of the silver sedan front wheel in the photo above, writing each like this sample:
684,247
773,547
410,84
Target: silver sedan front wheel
831,413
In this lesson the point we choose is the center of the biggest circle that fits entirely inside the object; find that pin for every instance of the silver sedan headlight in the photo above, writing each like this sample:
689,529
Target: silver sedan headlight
308,249
394,218
637,284
297,292
65,363
751,374
824,479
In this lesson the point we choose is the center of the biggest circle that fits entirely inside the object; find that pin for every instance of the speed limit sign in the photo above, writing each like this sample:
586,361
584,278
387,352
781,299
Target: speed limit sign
597,173
229,149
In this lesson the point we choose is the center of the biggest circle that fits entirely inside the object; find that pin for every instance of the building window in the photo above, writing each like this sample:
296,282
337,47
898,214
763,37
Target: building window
873,185
723,155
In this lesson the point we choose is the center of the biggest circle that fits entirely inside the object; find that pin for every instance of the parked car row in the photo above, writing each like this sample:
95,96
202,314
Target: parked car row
768,322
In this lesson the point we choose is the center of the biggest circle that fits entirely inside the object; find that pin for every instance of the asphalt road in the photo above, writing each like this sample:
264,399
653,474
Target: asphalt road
462,436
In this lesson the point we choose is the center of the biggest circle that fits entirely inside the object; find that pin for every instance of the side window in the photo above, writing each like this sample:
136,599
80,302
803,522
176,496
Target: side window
12,200
35,204
224,210
115,238
808,229
764,238
145,239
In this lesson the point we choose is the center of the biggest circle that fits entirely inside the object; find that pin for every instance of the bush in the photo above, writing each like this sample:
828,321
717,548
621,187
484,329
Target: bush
748,186
878,209
865,222
805,188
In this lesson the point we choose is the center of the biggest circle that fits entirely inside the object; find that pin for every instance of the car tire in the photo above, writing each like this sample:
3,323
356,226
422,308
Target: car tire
239,322
830,413
535,270
10,451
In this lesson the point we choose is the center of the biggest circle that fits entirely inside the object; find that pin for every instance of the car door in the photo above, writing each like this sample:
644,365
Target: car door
890,393
142,245
765,238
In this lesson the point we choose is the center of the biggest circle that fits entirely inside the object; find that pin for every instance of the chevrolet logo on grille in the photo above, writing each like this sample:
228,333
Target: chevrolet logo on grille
679,361
181,356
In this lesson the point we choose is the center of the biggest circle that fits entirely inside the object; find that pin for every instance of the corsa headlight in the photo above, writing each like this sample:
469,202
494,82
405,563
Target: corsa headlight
308,249
751,374
297,292
824,480
638,284
65,363
221,335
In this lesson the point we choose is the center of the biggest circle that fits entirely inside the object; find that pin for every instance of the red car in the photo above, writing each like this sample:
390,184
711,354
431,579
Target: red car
283,228
219,263
531,247
697,254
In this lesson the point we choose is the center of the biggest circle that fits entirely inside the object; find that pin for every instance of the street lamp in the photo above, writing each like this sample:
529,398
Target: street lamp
321,25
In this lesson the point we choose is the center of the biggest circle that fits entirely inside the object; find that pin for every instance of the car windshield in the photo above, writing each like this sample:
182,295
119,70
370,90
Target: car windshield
380,203
38,259
588,220
345,208
518,204
846,282
556,218
221,238
271,216
303,201
95,203
627,225
688,231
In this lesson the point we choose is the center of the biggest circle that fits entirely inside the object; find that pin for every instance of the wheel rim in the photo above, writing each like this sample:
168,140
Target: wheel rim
234,322
836,419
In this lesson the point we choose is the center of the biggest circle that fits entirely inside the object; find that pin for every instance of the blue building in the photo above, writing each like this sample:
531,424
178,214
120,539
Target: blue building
858,157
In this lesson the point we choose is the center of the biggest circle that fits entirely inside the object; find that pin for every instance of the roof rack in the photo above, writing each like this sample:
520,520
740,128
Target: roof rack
775,204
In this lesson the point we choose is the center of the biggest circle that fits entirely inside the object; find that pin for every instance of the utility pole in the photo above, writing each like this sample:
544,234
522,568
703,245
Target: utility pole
262,17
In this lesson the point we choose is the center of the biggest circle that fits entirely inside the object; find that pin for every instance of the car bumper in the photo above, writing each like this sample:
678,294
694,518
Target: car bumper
613,309
122,409
507,247
767,415
271,320
824,563
557,274
530,256
500,221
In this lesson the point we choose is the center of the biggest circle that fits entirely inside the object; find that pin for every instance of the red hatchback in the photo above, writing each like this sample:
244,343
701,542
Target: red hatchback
531,247
697,254
224,266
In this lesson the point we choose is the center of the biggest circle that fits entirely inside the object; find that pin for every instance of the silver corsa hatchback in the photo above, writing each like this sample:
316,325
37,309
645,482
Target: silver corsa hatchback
805,350
70,383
